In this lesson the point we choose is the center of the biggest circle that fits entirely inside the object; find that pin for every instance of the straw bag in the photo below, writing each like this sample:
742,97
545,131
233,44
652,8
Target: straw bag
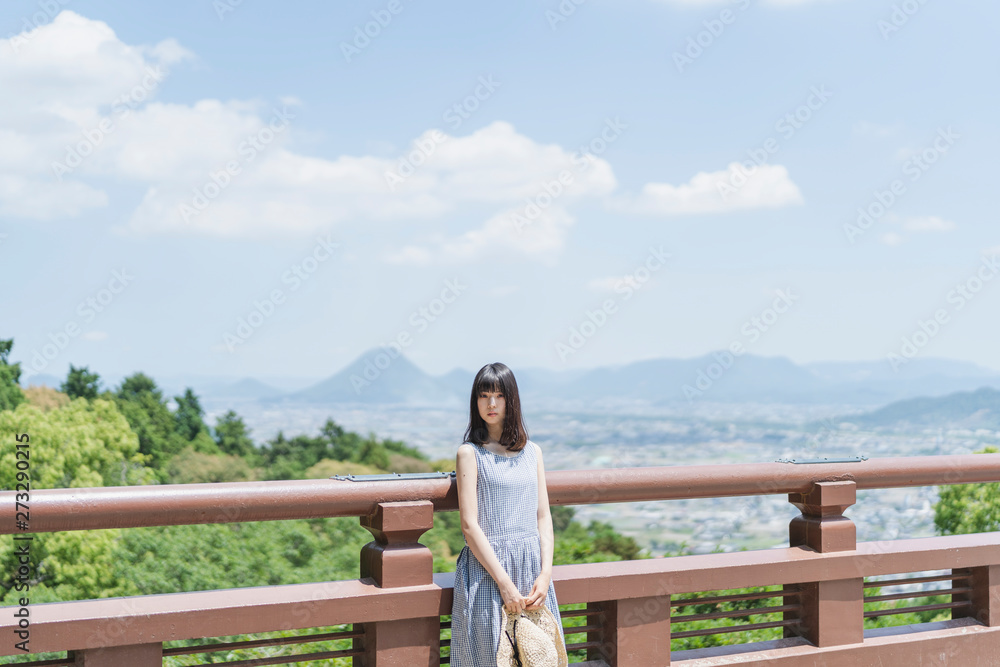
530,639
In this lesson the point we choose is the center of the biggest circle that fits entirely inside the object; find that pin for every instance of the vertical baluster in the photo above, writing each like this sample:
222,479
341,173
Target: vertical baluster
832,612
984,599
394,559
635,632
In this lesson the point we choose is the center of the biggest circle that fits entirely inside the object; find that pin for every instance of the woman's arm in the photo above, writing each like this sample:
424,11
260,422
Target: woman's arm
545,535
466,474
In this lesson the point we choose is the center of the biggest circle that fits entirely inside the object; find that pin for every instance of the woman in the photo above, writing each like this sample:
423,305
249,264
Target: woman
504,509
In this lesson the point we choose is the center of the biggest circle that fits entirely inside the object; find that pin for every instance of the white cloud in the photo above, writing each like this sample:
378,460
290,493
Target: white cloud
930,223
868,129
69,75
995,250
913,225
34,198
892,238
769,186
75,76
541,240
95,335
284,192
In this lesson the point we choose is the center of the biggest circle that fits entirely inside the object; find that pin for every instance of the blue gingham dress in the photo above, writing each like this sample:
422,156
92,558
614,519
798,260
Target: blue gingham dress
507,494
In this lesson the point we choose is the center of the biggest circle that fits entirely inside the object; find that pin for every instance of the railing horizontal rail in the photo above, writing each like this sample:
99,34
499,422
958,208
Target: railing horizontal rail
690,602
580,629
285,659
913,610
916,594
58,626
886,583
228,502
735,613
732,628
258,643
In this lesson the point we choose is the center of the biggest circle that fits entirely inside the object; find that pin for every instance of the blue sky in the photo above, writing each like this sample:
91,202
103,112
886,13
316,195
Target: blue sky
582,152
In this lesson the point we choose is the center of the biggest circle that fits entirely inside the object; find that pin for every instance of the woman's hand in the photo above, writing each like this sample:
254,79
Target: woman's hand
513,601
536,598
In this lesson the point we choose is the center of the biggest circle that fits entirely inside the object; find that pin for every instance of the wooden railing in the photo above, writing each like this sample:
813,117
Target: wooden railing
392,616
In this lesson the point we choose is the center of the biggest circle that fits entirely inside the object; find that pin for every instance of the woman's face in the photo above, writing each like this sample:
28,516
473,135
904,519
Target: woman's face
492,407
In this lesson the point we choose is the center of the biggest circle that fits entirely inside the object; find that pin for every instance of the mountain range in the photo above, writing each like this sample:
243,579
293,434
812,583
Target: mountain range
972,410
376,377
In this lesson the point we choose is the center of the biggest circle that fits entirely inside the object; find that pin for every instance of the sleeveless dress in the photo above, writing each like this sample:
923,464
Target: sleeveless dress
507,495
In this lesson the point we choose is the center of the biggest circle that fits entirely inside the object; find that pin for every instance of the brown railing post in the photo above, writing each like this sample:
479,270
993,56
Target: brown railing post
135,655
396,559
984,598
831,612
633,632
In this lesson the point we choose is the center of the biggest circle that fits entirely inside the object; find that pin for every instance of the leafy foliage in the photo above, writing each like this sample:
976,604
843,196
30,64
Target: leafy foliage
290,458
142,403
83,444
193,467
233,437
132,436
45,398
81,383
968,508
10,378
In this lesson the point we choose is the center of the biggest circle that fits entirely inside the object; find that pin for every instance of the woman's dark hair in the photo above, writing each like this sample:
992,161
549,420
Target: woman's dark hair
497,377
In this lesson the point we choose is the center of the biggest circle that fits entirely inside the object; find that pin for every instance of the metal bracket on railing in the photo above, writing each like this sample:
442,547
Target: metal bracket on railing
394,476
847,459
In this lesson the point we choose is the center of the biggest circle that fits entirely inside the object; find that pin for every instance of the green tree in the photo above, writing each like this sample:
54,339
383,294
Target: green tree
168,559
562,515
190,425
142,403
290,458
10,378
189,415
194,467
81,383
373,453
968,508
233,437
345,447
80,445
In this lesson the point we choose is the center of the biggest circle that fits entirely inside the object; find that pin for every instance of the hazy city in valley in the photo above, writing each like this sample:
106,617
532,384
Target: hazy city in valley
636,415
